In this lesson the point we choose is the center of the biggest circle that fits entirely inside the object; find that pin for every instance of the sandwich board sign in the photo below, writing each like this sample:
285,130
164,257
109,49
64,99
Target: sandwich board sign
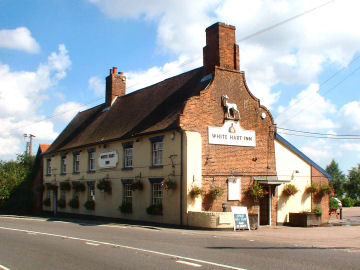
241,218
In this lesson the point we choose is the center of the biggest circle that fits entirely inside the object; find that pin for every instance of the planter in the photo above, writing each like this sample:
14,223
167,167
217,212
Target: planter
254,221
304,219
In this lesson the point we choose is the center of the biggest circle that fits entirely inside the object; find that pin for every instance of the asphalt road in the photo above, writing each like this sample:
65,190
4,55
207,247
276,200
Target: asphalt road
27,243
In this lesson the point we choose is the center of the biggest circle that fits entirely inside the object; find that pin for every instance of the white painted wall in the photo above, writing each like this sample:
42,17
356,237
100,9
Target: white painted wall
287,162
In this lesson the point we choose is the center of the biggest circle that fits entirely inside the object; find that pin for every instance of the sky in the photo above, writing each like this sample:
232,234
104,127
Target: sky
301,58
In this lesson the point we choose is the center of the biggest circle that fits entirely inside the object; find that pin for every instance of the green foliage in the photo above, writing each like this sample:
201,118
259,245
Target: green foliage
61,203
104,185
338,178
126,208
155,209
323,190
74,203
196,192
352,186
215,192
317,209
16,183
333,204
312,188
256,191
90,205
348,202
289,190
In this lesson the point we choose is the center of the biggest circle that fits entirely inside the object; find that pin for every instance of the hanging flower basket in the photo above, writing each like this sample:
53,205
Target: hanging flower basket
256,191
324,190
169,184
290,190
104,185
51,186
74,203
196,192
65,186
312,188
215,192
78,186
137,185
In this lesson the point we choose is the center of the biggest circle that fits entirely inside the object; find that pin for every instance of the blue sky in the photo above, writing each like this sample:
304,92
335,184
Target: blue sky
55,55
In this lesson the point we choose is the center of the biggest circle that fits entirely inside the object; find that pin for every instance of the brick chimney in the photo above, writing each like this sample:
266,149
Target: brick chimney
221,49
115,86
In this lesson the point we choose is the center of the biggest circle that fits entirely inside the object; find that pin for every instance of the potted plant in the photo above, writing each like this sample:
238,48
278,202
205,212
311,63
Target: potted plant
65,186
74,203
78,186
256,191
215,192
196,192
61,203
169,184
155,209
137,185
89,205
104,185
126,207
290,190
47,202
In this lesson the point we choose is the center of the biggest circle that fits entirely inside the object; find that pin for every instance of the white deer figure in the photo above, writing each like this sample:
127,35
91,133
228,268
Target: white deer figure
230,107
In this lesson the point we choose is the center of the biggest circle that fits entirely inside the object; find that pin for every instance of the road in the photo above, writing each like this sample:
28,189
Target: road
40,243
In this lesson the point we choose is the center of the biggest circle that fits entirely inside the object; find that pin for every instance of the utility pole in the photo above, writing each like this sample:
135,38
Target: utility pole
29,143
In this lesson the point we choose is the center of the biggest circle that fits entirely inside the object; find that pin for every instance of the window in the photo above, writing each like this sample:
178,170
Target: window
91,190
156,193
62,195
91,159
157,150
63,165
48,166
128,155
47,194
127,198
76,162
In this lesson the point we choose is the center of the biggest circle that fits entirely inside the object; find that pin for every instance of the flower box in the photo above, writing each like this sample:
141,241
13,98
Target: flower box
307,219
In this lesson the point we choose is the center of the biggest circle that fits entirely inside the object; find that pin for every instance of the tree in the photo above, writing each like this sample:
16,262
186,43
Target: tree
12,175
352,186
338,178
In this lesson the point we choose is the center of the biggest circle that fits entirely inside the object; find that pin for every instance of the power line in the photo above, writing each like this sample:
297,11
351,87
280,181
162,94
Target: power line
321,137
317,133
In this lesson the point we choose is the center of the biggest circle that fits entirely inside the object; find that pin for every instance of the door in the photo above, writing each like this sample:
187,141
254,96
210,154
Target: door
264,205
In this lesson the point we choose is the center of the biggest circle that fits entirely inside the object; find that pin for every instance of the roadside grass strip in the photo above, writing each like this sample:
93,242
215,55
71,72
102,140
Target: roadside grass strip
179,258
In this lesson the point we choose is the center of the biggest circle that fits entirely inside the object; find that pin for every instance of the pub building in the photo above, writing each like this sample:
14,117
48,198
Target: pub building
181,151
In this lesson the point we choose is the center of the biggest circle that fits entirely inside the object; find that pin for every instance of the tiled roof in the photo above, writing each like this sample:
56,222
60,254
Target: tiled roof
302,155
151,109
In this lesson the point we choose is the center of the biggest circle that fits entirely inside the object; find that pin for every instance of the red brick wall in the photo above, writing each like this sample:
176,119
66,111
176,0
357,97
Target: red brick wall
221,161
318,178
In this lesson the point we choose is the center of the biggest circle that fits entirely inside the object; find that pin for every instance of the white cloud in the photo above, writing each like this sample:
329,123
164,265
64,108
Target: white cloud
18,39
66,111
349,116
21,94
318,150
97,85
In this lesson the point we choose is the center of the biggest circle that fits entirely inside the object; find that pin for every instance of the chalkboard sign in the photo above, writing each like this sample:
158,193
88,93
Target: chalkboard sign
241,218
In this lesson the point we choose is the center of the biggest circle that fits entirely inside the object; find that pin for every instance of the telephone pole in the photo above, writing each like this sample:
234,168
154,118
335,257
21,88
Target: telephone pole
29,143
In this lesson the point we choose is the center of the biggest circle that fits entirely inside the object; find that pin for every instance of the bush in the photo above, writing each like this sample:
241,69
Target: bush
61,203
347,202
333,204
357,203
65,186
90,205
155,209
74,203
290,189
196,192
47,202
126,208
317,209
104,185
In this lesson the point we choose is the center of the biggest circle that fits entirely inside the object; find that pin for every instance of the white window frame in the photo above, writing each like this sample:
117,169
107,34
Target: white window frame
91,191
157,153
92,161
156,193
48,166
127,195
76,163
63,165
128,157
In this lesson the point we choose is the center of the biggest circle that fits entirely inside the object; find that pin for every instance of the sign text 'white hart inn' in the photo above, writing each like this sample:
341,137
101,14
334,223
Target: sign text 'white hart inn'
231,134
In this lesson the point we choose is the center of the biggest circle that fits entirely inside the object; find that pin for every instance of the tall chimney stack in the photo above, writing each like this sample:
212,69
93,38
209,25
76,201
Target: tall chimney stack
115,86
221,49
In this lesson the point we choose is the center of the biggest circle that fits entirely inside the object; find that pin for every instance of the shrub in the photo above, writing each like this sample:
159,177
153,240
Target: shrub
323,190
317,209
357,203
90,205
155,209
65,186
289,190
196,192
74,203
126,208
333,204
104,185
312,188
347,202
78,186
61,203
47,202
215,192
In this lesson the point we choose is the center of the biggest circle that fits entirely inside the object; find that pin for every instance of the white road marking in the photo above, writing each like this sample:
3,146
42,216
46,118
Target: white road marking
3,267
189,263
92,244
129,247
